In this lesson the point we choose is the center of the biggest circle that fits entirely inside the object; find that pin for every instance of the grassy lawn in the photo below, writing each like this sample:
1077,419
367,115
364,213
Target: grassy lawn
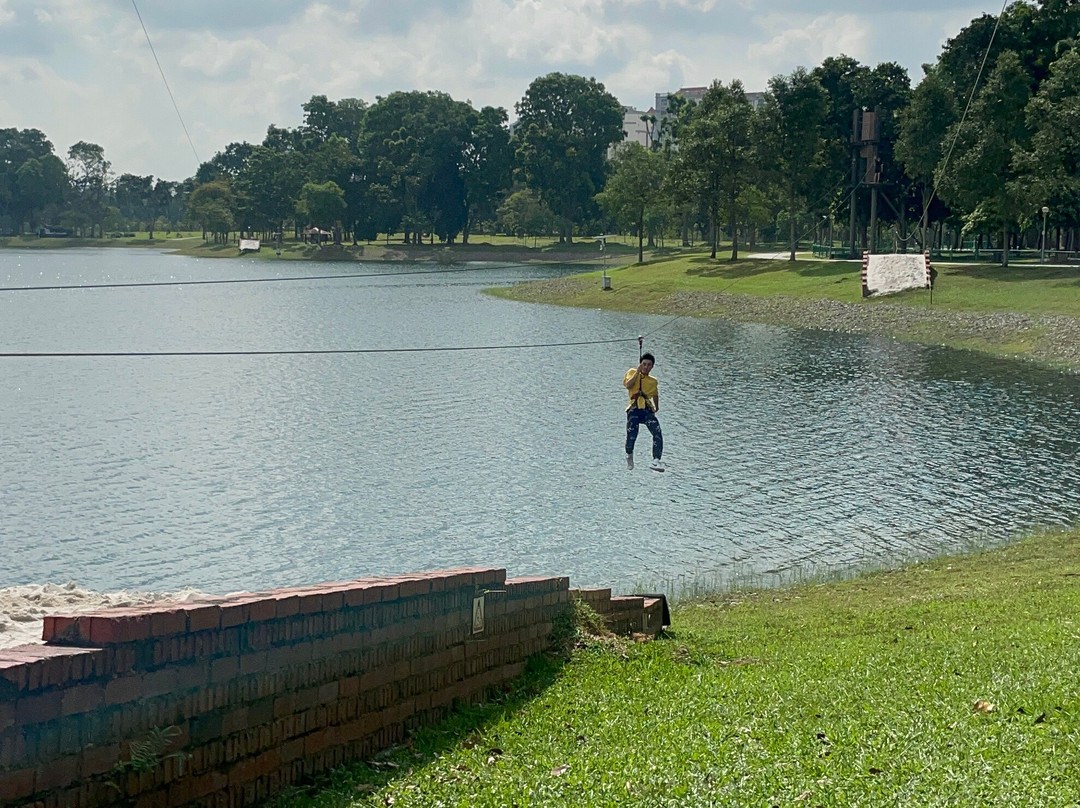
981,288
949,683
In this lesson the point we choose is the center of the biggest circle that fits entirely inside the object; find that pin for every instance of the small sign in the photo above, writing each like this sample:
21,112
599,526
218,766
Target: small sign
478,614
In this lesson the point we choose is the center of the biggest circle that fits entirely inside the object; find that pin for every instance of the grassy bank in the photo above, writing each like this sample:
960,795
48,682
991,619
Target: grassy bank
480,248
964,312
942,684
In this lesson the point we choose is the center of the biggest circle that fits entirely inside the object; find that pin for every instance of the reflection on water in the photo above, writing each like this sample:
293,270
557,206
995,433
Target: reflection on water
787,450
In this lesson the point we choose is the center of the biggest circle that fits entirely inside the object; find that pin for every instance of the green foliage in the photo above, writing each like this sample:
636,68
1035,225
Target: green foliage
566,124
212,205
524,213
634,192
715,158
321,203
981,175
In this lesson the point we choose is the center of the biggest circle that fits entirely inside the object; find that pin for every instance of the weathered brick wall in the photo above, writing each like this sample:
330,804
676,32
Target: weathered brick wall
260,690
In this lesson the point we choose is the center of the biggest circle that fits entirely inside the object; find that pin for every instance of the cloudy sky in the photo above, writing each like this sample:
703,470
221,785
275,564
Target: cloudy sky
82,70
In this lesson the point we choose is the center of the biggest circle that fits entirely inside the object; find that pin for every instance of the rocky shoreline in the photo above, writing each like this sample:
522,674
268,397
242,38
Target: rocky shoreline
1053,340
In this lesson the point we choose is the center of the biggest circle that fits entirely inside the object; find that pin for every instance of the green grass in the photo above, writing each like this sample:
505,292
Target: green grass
980,288
867,692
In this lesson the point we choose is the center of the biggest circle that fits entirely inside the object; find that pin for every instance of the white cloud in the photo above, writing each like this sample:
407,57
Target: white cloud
554,31
651,72
808,41
81,69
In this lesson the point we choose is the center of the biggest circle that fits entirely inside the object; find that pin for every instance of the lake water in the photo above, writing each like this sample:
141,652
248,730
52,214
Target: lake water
788,451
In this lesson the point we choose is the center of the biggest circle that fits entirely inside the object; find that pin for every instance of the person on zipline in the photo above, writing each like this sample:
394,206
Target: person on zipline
644,404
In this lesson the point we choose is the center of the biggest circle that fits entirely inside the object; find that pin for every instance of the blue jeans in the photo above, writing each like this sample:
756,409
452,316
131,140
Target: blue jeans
636,417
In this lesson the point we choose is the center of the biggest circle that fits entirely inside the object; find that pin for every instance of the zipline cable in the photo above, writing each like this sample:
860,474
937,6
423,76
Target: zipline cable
166,81
314,352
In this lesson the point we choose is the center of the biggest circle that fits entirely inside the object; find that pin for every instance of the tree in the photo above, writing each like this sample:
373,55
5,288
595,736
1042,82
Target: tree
322,204
412,151
90,175
17,147
226,163
213,206
487,164
981,177
134,198
271,181
715,158
634,187
324,118
566,124
790,122
1050,168
38,184
525,214
924,126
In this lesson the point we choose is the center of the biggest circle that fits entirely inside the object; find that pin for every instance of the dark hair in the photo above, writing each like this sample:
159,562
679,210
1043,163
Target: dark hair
648,356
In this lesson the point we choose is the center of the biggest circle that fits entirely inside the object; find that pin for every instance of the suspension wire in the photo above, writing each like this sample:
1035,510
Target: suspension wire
215,281
316,352
166,81
967,108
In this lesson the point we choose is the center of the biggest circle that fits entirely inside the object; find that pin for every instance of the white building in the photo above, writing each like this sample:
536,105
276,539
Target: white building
638,126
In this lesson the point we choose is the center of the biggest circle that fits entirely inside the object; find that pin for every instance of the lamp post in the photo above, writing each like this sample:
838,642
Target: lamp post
1042,255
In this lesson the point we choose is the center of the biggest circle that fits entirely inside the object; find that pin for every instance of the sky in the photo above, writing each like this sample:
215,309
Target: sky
82,69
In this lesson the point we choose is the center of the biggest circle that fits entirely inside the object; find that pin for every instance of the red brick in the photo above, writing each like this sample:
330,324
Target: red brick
203,617
167,622
224,669
262,610
118,627
82,699
38,709
287,605
414,587
16,785
57,773
94,760
382,592
123,690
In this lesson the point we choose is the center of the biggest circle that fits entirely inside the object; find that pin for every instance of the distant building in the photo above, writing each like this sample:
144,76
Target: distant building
696,94
638,126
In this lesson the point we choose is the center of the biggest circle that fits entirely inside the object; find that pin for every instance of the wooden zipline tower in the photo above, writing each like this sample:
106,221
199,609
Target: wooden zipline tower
865,170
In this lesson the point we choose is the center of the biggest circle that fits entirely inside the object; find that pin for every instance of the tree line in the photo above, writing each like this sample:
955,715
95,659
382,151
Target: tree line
941,164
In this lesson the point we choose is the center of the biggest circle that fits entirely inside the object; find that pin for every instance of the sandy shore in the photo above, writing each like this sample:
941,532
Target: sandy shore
23,607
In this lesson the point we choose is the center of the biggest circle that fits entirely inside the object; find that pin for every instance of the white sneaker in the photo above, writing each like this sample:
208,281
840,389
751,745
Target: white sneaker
657,465
629,461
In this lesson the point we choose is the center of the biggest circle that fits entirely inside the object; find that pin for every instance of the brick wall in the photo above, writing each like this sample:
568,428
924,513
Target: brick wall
259,691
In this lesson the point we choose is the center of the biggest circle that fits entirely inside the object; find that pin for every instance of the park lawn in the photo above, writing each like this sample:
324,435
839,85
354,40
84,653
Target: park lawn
951,682
974,288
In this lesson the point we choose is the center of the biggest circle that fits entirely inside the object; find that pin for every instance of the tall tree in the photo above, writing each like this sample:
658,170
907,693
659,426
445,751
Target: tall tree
486,166
17,146
981,177
412,152
924,125
322,204
790,142
634,188
715,158
38,185
90,179
1050,168
566,124
213,206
